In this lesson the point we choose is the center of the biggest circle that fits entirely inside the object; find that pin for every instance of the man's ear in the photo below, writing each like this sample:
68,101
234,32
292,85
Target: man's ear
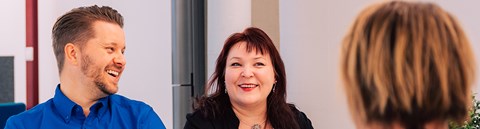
71,53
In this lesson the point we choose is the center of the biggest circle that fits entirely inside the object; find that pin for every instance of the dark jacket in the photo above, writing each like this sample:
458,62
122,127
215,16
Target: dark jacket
196,120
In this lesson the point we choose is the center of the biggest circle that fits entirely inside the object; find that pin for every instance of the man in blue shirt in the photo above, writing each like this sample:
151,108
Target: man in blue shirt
88,43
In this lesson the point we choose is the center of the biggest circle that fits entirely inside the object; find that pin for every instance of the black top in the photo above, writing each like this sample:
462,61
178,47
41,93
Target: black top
196,120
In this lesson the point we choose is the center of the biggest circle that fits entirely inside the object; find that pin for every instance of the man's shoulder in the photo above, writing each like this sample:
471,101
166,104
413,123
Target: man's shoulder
134,109
124,102
31,115
36,111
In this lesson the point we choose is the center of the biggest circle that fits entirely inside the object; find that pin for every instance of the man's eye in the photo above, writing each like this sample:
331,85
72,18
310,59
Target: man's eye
110,49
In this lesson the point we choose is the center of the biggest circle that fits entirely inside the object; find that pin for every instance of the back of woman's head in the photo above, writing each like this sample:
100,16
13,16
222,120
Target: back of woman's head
407,62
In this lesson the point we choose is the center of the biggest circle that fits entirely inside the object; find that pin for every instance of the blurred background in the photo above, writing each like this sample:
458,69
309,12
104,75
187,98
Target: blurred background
173,44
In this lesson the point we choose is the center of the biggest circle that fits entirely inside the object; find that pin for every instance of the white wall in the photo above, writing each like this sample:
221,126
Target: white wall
310,37
13,42
224,17
310,33
147,76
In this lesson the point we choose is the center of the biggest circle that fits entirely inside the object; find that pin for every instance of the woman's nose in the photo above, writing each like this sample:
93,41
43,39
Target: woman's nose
247,72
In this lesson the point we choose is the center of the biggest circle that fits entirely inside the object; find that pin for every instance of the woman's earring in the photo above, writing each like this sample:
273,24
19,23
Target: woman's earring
274,85
225,87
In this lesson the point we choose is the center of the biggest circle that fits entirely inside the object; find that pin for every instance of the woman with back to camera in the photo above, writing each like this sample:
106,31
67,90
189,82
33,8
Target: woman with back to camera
407,65
248,88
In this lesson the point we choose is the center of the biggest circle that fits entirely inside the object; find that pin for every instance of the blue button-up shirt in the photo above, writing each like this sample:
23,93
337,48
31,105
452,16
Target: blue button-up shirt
111,112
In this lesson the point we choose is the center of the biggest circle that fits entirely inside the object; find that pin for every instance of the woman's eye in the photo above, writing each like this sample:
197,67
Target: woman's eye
259,64
235,64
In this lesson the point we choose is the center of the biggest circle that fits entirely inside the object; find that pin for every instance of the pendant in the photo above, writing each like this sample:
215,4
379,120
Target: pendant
256,126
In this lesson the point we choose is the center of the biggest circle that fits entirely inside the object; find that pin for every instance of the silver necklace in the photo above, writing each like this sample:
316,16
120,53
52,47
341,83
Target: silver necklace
256,126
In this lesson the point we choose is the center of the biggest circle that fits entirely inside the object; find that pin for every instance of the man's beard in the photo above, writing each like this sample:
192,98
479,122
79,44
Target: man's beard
89,70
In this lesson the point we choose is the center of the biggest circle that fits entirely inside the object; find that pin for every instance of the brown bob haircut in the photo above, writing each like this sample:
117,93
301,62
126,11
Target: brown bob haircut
279,112
407,62
76,27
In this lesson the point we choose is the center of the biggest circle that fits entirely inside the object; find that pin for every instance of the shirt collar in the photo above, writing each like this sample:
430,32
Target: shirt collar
103,107
63,105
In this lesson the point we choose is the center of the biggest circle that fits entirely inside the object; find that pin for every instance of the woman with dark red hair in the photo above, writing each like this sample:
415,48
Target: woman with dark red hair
247,89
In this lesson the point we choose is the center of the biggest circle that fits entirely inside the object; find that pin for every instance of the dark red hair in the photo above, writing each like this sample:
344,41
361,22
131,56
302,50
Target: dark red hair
214,105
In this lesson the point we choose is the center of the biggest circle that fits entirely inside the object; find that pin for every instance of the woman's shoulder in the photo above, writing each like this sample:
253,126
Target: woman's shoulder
196,115
200,120
197,120
302,118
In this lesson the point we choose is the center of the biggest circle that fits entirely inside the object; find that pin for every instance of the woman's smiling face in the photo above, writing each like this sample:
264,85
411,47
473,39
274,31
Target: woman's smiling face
249,76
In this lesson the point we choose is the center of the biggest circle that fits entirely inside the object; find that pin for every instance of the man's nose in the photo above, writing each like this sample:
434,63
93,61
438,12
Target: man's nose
120,60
